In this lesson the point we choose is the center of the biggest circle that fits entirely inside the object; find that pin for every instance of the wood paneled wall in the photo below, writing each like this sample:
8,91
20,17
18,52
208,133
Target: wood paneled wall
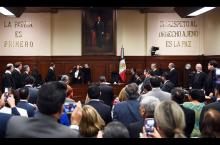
104,65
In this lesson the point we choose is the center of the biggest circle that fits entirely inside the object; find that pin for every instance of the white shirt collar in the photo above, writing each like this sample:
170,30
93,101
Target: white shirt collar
26,72
51,67
18,70
172,69
28,85
23,100
166,81
8,72
217,99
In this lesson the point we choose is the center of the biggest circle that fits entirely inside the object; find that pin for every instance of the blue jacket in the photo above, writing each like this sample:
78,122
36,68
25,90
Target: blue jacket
127,112
25,105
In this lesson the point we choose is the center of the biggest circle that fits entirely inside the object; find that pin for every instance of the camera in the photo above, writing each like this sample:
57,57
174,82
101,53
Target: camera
69,107
149,124
153,50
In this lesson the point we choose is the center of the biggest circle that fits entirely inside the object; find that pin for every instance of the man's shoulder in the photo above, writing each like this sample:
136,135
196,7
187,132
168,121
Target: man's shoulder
214,105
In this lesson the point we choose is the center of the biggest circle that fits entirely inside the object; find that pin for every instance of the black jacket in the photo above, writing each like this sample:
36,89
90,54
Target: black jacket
23,77
210,82
167,86
51,76
103,109
190,120
76,80
17,79
198,80
173,77
7,81
135,128
107,94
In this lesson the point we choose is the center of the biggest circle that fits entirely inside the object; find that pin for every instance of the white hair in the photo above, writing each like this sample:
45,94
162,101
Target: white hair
149,103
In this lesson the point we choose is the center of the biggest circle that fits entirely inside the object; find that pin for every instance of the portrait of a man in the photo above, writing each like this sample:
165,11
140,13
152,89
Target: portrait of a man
98,32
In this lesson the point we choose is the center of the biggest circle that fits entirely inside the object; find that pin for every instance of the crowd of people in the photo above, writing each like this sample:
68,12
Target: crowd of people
152,106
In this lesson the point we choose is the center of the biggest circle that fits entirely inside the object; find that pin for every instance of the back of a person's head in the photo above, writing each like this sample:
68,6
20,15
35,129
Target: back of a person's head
51,97
210,126
178,95
115,129
64,78
155,82
91,122
23,93
197,94
17,64
213,63
102,79
29,80
149,104
94,92
9,66
26,67
170,119
122,95
131,91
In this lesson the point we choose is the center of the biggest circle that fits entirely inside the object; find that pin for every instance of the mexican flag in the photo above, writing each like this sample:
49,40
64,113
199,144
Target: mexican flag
122,66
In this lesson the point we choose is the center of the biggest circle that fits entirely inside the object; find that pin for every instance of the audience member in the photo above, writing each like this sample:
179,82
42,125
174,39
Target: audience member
87,74
37,76
103,109
170,121
178,96
156,91
145,86
214,105
147,107
155,70
127,111
23,103
210,127
91,122
33,92
115,129
44,124
196,98
107,94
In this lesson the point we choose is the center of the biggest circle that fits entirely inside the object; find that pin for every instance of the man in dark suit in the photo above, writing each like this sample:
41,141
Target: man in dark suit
156,71
214,105
103,109
16,75
107,94
25,74
127,111
211,79
23,103
44,124
199,78
178,96
51,75
173,74
86,74
167,85
147,107
99,29
77,75
33,92
7,80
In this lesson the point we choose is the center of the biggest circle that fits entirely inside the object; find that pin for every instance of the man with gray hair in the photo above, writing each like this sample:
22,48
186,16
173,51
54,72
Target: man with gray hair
146,110
65,79
173,74
199,78
25,74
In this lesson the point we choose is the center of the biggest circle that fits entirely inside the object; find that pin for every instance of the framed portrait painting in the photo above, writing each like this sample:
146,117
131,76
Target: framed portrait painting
98,31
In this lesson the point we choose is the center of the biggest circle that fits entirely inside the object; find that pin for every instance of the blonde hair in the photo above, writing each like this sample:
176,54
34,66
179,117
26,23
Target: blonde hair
170,119
91,122
122,95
